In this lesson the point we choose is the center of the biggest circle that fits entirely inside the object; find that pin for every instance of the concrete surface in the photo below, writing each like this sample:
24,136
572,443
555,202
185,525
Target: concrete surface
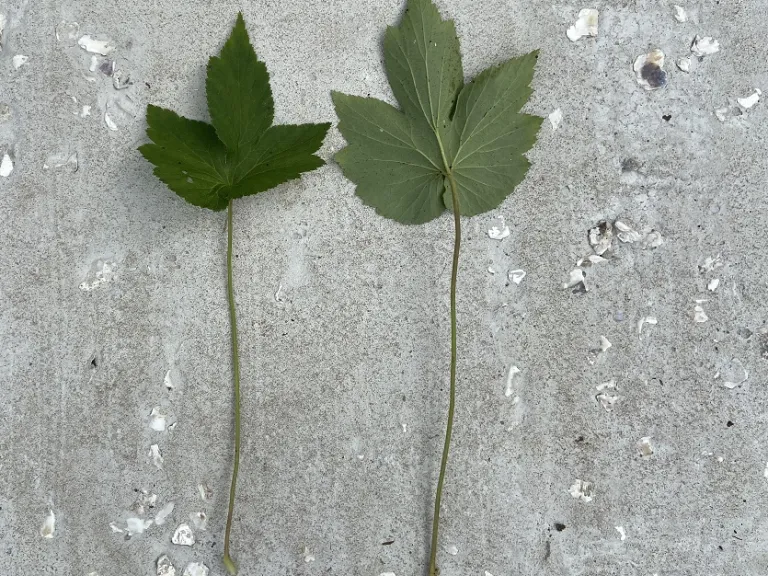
345,372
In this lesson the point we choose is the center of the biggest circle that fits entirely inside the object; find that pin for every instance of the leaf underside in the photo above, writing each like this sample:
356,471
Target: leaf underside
241,153
400,159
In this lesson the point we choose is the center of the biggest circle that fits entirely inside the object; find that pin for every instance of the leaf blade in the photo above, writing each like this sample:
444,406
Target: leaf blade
489,135
241,153
423,62
497,92
283,153
393,160
188,157
239,95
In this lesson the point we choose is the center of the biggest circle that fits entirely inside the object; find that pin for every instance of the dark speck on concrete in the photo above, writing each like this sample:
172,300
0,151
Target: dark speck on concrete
655,76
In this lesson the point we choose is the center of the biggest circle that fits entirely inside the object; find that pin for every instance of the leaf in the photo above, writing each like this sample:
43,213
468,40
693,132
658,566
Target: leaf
281,154
423,63
402,161
241,153
187,156
492,135
390,158
239,96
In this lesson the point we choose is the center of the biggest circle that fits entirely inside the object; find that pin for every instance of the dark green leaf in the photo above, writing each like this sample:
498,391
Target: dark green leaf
242,153
187,156
239,96
281,154
401,160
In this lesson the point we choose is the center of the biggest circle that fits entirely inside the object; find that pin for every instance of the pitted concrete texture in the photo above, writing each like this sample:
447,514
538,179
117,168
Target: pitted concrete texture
108,281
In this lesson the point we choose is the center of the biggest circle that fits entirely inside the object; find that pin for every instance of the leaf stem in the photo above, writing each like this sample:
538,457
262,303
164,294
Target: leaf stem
433,570
228,562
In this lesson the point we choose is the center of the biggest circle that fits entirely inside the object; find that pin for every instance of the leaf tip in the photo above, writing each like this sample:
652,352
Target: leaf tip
338,99
154,114
240,29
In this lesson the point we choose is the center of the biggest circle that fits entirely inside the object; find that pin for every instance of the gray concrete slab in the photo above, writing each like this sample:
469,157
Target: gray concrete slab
345,373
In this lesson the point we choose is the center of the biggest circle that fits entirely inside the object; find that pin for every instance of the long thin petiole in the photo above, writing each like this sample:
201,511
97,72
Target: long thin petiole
228,562
433,571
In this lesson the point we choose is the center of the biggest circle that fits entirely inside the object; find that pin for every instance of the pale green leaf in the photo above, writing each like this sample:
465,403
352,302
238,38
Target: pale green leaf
394,161
423,63
401,160
492,135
